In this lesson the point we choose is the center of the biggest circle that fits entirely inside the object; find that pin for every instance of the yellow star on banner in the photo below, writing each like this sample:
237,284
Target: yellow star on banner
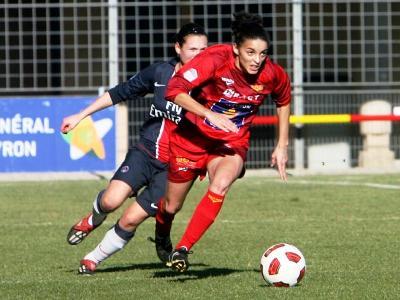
87,136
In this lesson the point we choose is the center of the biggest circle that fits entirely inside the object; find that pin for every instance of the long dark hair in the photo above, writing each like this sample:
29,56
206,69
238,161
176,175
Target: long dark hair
248,26
190,28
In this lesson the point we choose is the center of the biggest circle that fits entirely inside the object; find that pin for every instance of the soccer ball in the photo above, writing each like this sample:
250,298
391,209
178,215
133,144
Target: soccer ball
282,265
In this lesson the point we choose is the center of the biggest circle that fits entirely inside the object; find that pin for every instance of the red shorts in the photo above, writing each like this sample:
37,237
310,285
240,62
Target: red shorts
191,152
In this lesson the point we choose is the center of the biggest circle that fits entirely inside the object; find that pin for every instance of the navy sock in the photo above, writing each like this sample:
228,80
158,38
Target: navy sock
98,214
122,233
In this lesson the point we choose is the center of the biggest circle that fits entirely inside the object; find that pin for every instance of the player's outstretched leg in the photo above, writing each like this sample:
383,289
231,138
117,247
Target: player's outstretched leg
81,230
114,240
178,260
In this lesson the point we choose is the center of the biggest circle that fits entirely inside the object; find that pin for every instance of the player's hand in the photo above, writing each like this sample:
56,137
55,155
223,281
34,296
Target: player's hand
279,159
221,121
70,123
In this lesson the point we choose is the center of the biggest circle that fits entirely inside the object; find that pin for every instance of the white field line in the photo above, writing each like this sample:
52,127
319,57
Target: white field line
246,221
310,220
345,183
106,224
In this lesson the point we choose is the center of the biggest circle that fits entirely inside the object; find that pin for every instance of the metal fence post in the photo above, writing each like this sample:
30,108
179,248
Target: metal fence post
121,111
113,42
298,80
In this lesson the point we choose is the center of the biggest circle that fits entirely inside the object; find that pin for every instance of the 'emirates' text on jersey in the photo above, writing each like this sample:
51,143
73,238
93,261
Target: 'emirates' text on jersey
154,133
226,89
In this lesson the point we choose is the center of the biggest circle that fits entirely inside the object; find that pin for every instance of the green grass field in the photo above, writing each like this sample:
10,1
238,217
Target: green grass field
348,228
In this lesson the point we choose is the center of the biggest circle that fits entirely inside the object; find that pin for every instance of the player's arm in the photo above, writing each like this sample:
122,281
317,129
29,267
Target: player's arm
282,98
70,122
279,156
220,120
138,85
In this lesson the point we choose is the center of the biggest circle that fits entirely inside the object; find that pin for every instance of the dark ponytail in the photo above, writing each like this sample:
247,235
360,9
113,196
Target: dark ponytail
248,26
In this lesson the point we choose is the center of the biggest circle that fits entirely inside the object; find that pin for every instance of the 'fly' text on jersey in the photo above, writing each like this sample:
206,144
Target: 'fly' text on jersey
170,113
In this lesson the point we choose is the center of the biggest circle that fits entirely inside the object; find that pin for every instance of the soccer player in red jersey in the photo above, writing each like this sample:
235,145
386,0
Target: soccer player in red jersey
235,80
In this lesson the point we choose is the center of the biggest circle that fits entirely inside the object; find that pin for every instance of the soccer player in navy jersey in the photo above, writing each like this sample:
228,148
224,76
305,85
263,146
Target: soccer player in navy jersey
145,165
235,79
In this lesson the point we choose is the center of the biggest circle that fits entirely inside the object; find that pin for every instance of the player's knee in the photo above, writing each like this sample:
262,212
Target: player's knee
220,186
129,223
110,203
172,207
172,210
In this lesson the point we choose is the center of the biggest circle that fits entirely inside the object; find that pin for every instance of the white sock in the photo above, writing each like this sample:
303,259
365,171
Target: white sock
90,220
110,244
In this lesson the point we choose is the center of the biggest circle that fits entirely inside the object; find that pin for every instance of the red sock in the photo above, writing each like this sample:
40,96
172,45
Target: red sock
202,218
163,220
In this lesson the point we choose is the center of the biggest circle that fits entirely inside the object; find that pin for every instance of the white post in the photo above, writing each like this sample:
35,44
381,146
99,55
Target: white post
297,16
121,110
113,42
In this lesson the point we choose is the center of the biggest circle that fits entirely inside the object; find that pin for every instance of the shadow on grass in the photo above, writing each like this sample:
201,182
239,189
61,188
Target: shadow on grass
126,268
196,271
145,266
193,274
268,285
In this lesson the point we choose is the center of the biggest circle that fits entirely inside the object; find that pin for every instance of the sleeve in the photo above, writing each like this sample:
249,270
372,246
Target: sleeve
282,90
194,73
138,85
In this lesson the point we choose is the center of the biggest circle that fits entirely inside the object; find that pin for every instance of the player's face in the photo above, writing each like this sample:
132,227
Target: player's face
192,46
250,55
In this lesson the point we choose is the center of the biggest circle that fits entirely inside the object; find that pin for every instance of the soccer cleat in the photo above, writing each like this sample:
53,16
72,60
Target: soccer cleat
80,231
178,260
87,267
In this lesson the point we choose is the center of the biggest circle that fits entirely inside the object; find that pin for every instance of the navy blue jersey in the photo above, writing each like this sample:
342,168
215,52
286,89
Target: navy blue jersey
154,133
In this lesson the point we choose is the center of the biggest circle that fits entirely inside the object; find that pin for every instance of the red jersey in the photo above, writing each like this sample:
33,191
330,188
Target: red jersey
226,89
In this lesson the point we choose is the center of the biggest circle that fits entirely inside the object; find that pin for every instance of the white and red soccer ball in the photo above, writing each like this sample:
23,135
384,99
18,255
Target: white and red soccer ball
282,265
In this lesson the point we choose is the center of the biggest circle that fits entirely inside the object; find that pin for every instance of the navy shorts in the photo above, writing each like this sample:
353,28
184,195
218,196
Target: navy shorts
146,175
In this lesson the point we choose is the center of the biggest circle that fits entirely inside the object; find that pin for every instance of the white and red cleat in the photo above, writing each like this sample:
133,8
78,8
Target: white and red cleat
80,231
87,267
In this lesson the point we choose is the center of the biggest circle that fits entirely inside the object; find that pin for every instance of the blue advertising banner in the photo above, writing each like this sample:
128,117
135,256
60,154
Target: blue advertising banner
30,138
